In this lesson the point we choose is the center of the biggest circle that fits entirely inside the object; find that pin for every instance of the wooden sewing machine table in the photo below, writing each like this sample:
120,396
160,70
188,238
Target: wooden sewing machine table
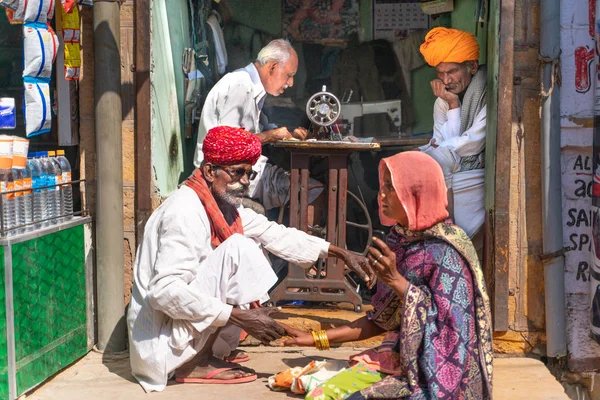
334,287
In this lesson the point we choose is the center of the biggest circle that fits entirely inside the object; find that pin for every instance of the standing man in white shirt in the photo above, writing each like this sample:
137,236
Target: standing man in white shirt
201,264
237,100
459,116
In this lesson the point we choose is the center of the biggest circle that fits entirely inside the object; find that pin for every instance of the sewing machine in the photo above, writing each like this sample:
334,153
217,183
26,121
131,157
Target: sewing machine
350,111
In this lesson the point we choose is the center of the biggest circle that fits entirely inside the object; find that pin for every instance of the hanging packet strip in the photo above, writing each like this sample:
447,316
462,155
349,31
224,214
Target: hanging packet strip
40,45
38,115
68,5
8,118
40,11
71,37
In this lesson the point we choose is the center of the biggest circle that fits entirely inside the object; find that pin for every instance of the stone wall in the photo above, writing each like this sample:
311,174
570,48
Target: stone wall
577,101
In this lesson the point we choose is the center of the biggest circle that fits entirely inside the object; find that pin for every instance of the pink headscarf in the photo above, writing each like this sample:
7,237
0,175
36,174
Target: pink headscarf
419,183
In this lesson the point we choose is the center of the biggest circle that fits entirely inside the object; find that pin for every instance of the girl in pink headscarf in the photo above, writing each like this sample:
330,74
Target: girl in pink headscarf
431,300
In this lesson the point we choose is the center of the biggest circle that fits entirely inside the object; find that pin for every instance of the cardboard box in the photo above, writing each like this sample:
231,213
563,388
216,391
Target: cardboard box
437,6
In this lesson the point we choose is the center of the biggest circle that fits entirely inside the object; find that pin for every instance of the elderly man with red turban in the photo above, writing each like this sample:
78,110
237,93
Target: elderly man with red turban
201,264
459,117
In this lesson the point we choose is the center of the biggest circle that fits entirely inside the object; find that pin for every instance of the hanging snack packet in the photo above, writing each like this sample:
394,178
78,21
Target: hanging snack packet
40,11
38,116
40,45
8,118
71,34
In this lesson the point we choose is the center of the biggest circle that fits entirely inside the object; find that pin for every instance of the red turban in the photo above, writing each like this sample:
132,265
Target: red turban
224,145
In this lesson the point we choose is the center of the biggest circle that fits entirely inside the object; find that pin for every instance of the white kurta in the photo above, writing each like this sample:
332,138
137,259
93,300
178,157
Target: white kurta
184,288
237,100
446,130
468,186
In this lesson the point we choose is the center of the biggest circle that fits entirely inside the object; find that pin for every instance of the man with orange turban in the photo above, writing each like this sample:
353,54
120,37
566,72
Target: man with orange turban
459,121
201,264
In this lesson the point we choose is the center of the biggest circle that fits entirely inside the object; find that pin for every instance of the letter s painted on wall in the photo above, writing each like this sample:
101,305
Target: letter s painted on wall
584,56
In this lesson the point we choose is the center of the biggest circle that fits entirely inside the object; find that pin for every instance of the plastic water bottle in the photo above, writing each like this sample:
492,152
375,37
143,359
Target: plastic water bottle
57,181
19,206
50,181
22,184
39,195
8,201
27,199
66,192
7,185
45,206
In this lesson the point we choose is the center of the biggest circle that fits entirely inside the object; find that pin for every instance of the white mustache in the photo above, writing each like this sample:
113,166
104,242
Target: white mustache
237,186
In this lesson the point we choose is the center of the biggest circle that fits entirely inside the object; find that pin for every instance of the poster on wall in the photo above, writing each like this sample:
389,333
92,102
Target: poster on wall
320,21
595,270
394,19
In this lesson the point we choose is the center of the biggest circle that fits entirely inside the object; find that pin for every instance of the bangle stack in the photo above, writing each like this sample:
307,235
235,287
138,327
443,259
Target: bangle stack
321,340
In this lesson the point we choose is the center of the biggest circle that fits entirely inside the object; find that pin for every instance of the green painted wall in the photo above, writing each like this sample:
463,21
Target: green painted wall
170,35
264,15
366,19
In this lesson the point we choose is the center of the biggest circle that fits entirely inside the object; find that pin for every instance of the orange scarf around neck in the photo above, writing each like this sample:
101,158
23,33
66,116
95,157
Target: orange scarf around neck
220,229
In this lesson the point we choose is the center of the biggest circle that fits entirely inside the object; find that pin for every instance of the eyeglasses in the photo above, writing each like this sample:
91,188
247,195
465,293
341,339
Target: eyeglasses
238,173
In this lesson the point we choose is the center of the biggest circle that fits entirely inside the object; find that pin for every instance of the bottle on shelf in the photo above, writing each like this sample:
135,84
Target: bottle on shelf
51,190
7,204
66,191
39,194
22,185
57,181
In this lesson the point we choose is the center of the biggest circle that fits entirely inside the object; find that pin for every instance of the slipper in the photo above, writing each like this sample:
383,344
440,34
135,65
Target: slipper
210,378
240,357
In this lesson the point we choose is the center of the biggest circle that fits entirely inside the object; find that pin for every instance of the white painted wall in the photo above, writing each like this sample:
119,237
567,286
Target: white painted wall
577,103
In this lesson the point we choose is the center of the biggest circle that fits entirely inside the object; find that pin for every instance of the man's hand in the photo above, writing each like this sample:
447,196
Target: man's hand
274,135
439,90
300,133
356,263
258,323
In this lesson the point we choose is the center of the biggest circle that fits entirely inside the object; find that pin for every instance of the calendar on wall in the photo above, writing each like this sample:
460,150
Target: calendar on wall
394,19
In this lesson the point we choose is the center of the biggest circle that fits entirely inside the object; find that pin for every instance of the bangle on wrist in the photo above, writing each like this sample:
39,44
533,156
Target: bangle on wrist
321,339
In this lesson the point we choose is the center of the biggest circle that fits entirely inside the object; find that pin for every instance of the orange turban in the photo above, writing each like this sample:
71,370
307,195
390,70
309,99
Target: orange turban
449,45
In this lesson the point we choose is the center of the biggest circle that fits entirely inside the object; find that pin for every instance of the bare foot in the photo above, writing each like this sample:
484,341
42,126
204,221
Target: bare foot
203,368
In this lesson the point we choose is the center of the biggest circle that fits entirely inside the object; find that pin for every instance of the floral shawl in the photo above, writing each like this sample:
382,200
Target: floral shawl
439,341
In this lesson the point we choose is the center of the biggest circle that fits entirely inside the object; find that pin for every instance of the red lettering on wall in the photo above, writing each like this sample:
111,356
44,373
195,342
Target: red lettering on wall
583,60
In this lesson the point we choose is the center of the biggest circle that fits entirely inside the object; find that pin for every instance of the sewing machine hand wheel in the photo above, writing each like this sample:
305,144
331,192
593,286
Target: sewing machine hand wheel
323,108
